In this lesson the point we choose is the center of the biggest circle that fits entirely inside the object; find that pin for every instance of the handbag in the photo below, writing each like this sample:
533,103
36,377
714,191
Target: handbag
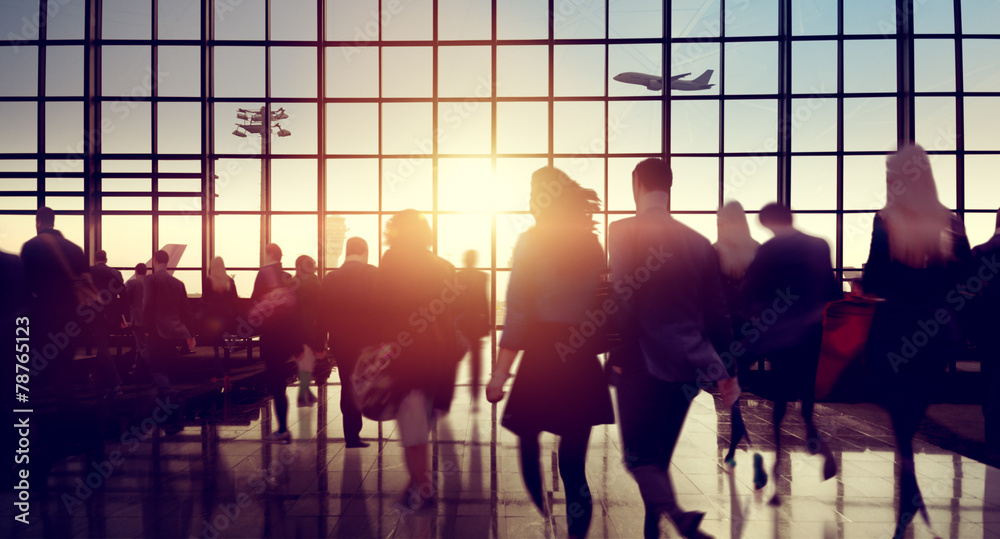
372,382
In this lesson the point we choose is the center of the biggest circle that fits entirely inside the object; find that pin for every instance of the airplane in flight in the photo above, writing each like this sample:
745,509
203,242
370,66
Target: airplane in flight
656,83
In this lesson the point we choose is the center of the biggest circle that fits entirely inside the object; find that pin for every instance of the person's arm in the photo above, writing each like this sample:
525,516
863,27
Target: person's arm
873,280
505,360
718,324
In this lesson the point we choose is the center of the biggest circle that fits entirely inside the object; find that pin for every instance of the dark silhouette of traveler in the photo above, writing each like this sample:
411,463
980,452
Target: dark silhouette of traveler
474,320
987,319
736,249
54,267
413,301
348,323
274,310
560,386
134,293
308,300
784,293
918,256
219,302
167,319
14,285
672,319
106,319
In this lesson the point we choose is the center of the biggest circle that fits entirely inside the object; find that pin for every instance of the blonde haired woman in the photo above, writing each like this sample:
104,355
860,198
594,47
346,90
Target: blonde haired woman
918,254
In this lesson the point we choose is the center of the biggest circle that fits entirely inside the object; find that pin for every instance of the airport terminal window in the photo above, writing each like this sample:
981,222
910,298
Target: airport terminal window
448,110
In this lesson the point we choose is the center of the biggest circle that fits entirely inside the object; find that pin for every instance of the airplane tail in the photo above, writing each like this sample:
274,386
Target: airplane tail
704,77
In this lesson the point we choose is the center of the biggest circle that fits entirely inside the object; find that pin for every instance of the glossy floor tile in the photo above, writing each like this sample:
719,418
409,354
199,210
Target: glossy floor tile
217,479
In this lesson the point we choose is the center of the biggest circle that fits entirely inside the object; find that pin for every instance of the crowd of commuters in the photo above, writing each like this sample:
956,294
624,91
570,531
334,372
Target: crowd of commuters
680,315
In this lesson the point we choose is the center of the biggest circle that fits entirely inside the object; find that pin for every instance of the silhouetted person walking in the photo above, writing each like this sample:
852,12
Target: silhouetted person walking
349,325
672,319
474,317
560,386
54,267
413,306
280,333
784,293
308,301
107,320
985,259
736,249
134,290
167,319
918,256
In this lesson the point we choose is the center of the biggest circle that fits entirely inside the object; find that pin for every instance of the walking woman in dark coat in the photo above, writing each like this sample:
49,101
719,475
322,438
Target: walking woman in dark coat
918,256
413,301
560,386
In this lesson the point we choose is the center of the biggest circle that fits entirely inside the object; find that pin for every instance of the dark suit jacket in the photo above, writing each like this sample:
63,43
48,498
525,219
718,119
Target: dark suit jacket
47,277
109,283
165,309
347,308
787,287
473,305
666,281
985,267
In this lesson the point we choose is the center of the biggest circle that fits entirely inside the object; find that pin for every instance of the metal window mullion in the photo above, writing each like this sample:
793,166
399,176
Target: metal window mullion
92,219
265,140
154,139
840,142
904,71
494,102
784,194
722,102
959,114
434,125
321,189
551,43
207,125
40,103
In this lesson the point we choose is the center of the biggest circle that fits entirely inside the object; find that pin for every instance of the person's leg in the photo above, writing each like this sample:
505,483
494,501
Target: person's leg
572,469
906,418
737,431
413,419
348,405
105,363
476,366
531,470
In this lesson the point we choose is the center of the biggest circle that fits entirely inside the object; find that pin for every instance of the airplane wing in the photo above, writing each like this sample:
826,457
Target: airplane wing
675,77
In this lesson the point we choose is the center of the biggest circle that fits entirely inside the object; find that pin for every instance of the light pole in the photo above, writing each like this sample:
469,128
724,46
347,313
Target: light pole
253,123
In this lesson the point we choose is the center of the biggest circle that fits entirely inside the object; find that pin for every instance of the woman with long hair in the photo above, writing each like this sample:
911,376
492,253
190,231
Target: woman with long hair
307,296
413,301
560,386
736,249
219,307
918,255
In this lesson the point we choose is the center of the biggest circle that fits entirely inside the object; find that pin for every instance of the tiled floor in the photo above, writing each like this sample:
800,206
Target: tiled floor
217,479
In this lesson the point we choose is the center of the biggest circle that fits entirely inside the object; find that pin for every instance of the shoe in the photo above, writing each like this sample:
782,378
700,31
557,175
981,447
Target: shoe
312,398
284,438
303,401
688,524
356,444
829,464
759,475
114,393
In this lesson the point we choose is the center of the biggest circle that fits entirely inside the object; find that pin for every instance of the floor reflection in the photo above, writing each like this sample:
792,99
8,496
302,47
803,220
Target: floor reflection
216,478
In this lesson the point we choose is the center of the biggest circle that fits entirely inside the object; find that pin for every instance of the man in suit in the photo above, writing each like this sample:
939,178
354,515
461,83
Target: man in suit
167,318
134,293
784,294
672,315
51,265
110,284
346,301
275,310
985,323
